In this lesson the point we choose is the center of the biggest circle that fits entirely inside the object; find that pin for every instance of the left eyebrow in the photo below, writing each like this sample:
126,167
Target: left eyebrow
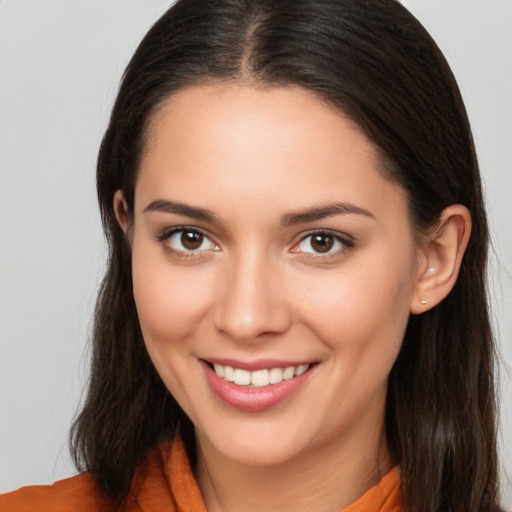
165,206
322,212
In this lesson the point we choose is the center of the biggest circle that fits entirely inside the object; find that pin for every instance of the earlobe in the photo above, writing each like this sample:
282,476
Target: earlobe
441,258
121,211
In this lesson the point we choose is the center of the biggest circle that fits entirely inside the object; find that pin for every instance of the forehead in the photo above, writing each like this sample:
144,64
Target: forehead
281,146
237,109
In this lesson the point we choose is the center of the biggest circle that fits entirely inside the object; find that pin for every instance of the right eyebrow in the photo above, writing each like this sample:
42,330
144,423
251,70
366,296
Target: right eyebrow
322,212
166,206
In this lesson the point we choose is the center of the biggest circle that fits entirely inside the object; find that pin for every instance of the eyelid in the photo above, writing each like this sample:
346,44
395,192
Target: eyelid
347,243
167,233
344,239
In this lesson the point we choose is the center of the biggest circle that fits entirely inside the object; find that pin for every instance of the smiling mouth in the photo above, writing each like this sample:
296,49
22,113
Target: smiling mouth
257,378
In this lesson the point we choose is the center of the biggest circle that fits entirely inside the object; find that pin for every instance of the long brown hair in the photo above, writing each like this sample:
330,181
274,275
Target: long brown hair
375,62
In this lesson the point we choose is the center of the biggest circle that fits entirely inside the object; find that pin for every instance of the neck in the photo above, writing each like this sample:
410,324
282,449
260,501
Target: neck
328,477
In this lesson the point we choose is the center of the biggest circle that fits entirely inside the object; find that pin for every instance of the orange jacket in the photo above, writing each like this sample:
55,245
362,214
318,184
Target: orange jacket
163,483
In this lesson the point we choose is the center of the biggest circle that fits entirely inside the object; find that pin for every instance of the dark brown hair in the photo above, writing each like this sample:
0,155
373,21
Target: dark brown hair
375,62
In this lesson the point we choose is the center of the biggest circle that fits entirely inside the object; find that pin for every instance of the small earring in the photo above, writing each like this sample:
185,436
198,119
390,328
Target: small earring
423,302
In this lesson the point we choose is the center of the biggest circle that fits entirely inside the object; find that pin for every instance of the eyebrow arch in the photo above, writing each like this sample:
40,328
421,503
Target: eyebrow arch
165,206
322,212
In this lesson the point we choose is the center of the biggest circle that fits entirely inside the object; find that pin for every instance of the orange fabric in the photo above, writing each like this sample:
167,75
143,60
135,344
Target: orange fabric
163,483
383,497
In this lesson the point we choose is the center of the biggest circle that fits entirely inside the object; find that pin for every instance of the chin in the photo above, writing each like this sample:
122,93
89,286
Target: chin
258,444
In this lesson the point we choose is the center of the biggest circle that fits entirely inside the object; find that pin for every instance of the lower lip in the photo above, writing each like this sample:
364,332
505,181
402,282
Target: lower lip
253,398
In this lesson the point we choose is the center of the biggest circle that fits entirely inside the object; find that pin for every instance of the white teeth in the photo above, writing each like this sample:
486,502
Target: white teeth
228,374
301,369
258,378
276,375
242,377
219,369
288,373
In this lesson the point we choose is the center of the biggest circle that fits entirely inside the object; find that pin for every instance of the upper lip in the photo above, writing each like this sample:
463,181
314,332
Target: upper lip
260,364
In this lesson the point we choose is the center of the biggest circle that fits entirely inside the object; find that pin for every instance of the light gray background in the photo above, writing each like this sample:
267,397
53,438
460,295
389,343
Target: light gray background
60,64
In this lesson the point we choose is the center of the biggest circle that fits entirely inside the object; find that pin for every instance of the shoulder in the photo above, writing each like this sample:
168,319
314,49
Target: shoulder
79,493
163,481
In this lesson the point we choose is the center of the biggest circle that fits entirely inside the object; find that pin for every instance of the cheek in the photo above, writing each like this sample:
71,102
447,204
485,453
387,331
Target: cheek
170,300
364,307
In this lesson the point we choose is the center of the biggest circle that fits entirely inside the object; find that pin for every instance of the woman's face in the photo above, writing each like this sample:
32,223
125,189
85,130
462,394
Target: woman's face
268,249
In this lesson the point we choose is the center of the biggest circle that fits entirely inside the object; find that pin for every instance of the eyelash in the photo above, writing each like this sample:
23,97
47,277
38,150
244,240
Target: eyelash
345,241
166,235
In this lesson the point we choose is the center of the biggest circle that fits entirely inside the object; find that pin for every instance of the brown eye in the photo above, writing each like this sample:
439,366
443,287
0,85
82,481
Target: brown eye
188,241
191,240
323,242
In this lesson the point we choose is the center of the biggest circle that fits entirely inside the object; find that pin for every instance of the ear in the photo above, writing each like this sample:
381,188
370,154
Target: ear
440,257
122,212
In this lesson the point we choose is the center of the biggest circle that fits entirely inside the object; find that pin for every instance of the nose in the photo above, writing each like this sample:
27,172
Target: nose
251,303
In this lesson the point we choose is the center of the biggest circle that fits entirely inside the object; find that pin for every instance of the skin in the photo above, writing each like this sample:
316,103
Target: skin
257,288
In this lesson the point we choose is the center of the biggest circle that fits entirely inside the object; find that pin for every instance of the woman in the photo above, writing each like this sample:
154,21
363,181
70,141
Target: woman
296,285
